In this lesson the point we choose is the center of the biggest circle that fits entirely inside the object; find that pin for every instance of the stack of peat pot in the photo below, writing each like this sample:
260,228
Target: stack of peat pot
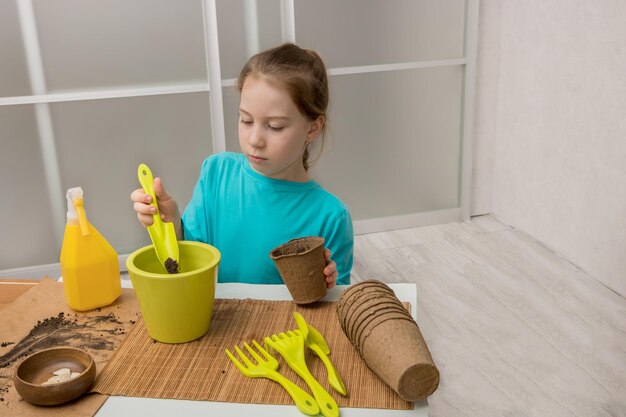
388,339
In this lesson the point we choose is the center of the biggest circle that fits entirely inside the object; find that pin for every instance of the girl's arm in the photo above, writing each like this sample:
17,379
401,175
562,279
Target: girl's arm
340,243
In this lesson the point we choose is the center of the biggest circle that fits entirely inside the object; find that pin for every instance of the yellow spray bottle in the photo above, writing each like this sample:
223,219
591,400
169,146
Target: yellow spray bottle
89,265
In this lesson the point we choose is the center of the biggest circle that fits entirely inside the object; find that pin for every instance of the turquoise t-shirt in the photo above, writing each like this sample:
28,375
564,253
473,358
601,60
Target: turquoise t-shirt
245,215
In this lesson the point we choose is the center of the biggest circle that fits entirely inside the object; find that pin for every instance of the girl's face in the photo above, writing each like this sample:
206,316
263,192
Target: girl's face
272,131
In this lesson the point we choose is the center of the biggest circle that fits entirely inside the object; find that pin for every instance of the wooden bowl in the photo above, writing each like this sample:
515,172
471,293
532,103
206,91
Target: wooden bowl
36,369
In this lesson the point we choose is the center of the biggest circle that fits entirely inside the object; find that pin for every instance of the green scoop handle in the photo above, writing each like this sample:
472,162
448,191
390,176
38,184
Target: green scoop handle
314,340
162,234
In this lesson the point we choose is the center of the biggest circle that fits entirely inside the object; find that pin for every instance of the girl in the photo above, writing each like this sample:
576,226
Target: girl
247,204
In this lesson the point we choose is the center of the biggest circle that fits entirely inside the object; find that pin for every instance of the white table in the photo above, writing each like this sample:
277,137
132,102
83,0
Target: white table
130,406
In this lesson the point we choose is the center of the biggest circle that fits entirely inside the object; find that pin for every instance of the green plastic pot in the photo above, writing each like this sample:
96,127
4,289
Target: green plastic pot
176,308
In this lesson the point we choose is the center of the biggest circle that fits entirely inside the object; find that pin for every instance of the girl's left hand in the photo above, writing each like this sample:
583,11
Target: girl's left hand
330,271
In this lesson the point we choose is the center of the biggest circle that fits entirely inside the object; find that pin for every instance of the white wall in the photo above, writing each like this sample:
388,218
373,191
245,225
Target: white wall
550,153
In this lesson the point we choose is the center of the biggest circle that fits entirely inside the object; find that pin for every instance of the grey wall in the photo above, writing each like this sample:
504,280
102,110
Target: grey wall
550,154
394,139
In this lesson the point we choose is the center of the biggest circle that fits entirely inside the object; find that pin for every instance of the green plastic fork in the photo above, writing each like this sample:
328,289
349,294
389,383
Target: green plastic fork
267,367
291,347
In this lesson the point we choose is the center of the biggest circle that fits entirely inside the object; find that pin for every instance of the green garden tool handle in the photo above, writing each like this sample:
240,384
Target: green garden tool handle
162,234
315,341
328,405
147,183
334,379
303,400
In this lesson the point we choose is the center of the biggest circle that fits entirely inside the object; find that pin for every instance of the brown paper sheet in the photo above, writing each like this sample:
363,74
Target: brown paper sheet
200,370
10,290
33,322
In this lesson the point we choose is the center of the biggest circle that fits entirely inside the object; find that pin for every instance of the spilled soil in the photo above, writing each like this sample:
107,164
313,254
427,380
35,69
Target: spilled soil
97,334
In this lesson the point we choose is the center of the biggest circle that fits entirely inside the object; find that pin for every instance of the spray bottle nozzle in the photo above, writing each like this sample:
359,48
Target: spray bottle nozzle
76,210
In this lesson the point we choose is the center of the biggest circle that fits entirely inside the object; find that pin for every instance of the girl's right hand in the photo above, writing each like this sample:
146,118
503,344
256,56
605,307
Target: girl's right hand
167,206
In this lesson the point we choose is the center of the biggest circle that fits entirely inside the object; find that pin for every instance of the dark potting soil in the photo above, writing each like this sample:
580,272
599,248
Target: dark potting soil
171,266
81,331
86,333
98,333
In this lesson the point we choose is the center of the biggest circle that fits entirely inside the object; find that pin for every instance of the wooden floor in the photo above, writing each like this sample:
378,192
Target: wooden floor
514,329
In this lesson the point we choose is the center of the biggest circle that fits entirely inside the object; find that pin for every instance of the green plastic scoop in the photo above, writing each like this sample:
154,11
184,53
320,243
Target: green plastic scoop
315,341
162,233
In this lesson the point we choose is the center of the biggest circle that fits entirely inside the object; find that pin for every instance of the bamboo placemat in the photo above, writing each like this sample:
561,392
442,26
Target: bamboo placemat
200,370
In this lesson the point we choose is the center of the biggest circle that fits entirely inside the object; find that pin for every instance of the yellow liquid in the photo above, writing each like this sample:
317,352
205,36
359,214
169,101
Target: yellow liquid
90,269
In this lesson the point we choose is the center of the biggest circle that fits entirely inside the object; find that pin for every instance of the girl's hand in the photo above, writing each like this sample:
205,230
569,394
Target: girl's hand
330,271
167,206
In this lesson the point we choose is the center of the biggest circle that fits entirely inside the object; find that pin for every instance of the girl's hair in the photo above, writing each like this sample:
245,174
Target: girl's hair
301,72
